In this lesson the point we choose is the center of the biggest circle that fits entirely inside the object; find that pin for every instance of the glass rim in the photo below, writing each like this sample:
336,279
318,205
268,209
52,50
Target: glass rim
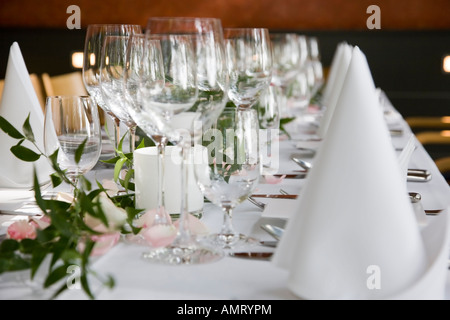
89,99
113,25
185,18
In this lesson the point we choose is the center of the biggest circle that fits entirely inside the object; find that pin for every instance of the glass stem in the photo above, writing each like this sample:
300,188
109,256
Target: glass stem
227,226
116,133
161,217
132,138
184,235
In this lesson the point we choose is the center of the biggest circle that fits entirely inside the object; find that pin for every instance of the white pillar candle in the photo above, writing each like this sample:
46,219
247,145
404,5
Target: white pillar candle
146,181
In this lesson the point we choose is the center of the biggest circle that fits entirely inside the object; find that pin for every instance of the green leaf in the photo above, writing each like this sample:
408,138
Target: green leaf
61,289
118,168
9,245
79,151
27,129
37,192
60,223
141,144
9,129
87,185
112,160
55,276
25,154
56,179
38,256
27,246
89,245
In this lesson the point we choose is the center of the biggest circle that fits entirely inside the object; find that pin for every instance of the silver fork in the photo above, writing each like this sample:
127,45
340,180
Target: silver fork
257,203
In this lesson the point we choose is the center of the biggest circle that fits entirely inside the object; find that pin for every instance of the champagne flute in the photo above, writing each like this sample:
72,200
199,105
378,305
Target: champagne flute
70,122
249,59
95,38
232,168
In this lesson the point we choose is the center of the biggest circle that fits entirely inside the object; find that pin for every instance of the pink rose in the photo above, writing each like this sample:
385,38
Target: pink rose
40,223
103,242
273,180
22,229
148,218
195,226
159,235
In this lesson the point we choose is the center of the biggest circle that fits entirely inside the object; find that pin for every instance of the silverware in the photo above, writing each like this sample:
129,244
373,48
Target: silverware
301,175
431,212
257,203
252,255
396,132
274,231
271,244
302,163
414,175
275,196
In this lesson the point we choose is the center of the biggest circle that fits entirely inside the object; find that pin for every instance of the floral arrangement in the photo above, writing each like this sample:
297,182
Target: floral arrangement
75,228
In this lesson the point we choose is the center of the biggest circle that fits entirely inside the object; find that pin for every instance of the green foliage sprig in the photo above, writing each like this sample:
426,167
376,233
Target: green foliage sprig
67,241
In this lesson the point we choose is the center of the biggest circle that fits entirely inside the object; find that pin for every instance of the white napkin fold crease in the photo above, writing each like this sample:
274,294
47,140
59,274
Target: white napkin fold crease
18,100
330,100
354,234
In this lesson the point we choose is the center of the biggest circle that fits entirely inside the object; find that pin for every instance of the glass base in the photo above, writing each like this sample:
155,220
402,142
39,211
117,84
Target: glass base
183,255
230,240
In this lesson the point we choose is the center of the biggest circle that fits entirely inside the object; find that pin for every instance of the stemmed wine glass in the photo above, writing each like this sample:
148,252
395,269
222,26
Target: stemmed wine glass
144,74
249,62
71,122
95,39
269,114
232,168
112,71
182,122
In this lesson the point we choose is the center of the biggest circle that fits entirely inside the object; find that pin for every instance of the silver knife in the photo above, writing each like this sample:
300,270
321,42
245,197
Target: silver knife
252,255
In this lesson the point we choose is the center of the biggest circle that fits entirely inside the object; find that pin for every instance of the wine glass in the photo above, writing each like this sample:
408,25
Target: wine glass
269,112
232,170
111,79
144,75
249,62
72,122
183,124
95,38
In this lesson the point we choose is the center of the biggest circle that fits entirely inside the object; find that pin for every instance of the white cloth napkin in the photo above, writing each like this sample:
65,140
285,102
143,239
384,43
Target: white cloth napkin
354,235
18,100
333,70
331,99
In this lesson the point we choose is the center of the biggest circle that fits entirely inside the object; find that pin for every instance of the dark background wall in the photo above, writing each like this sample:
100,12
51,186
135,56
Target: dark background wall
405,55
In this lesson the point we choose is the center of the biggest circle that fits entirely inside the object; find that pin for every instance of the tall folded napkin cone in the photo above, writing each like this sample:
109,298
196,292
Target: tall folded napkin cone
354,234
18,100
333,70
330,100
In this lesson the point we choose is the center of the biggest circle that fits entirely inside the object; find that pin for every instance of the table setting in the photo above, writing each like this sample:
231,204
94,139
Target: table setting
265,180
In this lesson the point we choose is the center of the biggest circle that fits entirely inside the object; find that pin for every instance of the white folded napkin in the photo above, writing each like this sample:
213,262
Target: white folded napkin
333,70
330,101
18,100
354,235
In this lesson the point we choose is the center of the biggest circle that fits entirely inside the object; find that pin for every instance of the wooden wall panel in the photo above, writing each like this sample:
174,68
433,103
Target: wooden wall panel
273,14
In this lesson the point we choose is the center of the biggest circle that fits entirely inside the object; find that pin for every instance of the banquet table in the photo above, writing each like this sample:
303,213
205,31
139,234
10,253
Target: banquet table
230,278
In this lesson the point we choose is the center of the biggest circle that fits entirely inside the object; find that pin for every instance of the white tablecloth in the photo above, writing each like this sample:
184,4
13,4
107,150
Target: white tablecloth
229,278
